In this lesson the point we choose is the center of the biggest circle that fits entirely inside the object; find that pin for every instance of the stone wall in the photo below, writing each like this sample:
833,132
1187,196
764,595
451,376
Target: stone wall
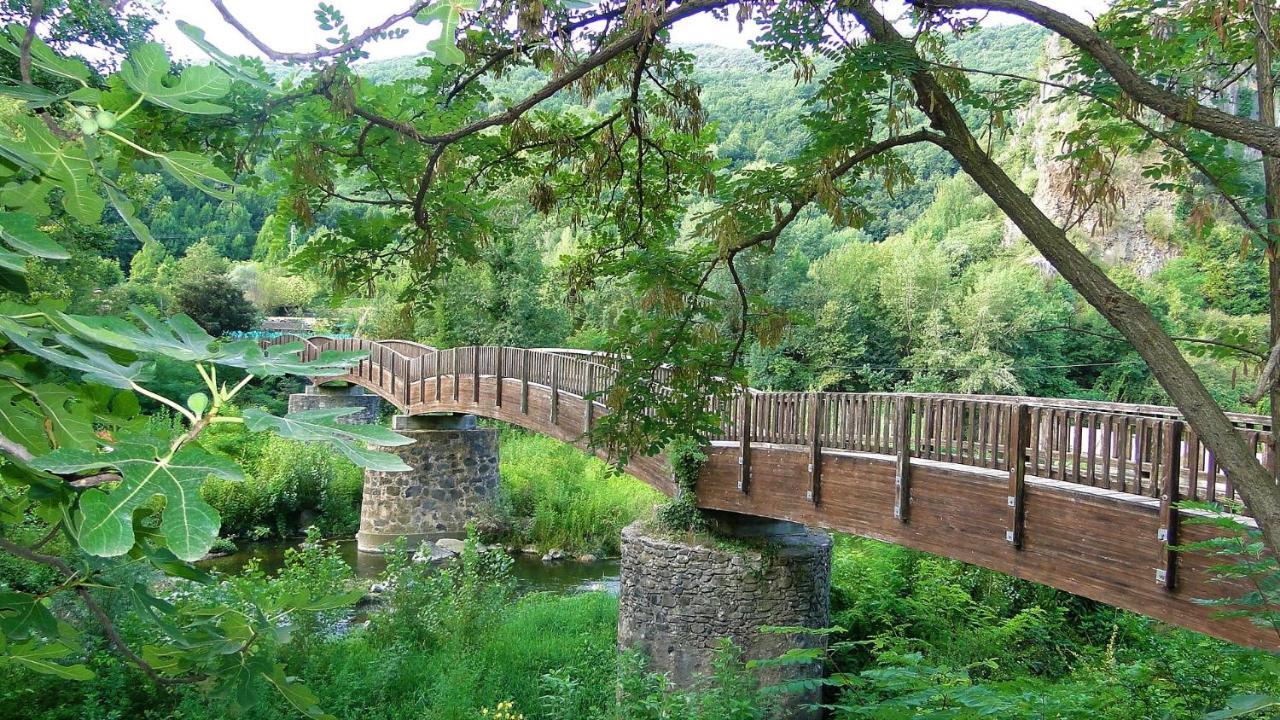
318,396
454,477
679,598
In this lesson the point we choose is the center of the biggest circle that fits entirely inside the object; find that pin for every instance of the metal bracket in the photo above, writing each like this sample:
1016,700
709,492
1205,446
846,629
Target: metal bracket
740,459
810,467
1013,501
897,512
1160,575
1008,535
1163,535
808,494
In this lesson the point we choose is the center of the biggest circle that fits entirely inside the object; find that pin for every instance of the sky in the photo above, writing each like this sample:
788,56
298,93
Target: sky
290,25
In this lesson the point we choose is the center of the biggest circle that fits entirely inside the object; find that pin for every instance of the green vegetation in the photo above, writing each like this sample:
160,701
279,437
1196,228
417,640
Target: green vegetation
555,496
741,216
287,487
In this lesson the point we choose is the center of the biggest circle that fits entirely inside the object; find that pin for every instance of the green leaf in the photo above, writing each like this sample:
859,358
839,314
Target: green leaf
65,164
19,231
444,48
32,97
96,365
179,337
285,359
322,426
67,419
42,56
39,657
146,72
231,65
30,197
198,172
188,525
298,695
124,208
1242,705
21,420
22,616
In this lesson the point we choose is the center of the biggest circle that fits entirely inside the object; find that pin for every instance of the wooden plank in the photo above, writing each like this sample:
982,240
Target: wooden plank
1167,533
498,370
815,447
744,443
1016,453
453,360
555,390
902,475
1077,437
524,381
589,404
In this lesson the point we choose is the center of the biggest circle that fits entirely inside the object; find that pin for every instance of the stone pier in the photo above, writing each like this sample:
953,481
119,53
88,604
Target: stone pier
454,476
679,597
316,397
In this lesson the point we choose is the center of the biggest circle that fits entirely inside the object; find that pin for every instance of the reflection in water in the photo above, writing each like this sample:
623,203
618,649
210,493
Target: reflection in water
531,574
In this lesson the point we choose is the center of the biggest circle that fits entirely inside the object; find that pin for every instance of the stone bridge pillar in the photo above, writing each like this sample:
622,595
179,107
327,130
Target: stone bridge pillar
680,596
454,476
316,397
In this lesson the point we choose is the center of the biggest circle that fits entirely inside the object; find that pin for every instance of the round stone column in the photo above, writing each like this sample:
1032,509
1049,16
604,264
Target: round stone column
454,476
680,597
316,397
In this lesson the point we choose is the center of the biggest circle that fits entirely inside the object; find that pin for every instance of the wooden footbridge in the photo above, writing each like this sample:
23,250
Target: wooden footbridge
1076,495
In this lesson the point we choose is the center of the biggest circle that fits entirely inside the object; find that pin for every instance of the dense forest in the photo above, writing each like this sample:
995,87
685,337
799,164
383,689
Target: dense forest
913,279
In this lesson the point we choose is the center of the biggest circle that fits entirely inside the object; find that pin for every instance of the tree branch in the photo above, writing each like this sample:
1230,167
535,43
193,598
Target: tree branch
1175,107
300,57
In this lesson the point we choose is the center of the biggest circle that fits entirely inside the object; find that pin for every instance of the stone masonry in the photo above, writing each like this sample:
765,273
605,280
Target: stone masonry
320,396
454,476
679,598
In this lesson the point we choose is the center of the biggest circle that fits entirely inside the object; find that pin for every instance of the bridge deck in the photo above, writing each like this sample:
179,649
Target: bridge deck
1083,506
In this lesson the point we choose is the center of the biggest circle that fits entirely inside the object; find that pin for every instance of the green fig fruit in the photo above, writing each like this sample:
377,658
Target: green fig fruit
105,119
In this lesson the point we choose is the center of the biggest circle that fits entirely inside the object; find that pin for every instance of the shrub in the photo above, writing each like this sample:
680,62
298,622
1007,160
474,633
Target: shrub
562,497
289,486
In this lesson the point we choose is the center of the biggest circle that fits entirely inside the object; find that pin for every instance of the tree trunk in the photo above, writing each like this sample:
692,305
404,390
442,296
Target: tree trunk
1271,177
1126,313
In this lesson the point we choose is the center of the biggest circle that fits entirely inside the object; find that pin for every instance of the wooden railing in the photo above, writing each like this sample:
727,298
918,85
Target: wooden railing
1136,449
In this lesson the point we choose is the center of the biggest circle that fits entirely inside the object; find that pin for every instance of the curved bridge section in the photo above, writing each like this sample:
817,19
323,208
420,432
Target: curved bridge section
1079,496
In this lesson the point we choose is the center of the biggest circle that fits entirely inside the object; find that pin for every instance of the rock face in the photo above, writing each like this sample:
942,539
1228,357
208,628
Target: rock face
454,476
677,600
1137,231
317,397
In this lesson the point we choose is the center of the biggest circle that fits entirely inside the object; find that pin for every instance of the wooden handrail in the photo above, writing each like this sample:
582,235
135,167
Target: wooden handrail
1099,444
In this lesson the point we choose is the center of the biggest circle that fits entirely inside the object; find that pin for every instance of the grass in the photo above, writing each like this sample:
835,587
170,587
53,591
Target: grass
555,495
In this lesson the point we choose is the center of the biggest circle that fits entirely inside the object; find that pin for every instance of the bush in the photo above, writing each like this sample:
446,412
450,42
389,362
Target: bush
558,496
287,487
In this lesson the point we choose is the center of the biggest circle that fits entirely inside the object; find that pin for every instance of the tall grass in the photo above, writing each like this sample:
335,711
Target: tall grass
555,495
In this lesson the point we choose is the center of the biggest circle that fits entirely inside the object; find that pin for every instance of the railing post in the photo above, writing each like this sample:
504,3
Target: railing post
902,443
815,447
555,390
589,404
1167,533
1016,457
405,383
475,375
453,360
744,443
524,381
439,380
497,372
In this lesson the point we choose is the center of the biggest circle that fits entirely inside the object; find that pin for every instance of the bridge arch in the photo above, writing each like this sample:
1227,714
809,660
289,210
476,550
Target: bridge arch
1075,495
